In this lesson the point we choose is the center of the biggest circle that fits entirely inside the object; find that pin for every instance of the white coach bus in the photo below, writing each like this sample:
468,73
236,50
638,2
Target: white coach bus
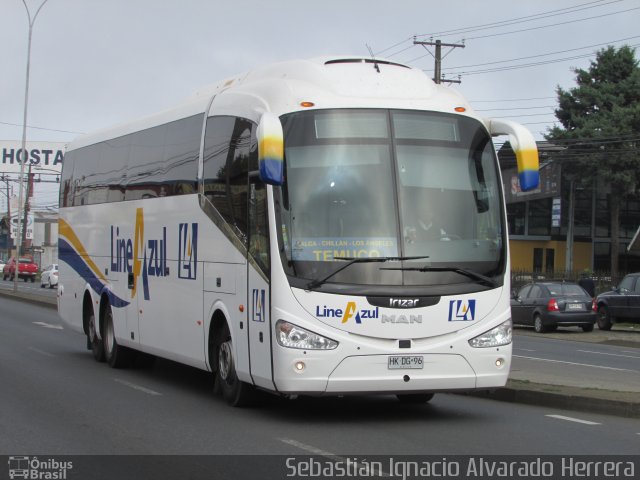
320,227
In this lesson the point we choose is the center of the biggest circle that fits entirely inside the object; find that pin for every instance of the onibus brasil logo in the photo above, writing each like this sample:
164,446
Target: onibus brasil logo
38,469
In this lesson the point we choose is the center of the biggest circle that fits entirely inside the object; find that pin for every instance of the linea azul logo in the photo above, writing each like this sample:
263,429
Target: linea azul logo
146,257
143,257
462,310
188,251
34,468
351,311
259,305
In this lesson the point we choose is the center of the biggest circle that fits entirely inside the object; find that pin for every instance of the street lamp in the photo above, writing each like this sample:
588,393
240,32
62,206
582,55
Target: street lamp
24,143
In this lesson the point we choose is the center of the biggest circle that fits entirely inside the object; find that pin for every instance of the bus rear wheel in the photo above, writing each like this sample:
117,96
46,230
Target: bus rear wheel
116,355
93,342
235,392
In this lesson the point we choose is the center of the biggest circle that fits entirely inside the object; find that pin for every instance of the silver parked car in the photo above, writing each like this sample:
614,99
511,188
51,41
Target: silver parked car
49,276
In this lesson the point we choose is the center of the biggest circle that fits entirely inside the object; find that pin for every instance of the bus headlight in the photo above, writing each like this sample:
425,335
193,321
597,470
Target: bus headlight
496,337
293,336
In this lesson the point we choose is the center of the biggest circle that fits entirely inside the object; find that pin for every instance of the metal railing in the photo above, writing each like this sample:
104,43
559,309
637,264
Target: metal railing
602,279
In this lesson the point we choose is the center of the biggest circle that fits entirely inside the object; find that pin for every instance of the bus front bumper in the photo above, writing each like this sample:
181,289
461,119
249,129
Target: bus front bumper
366,374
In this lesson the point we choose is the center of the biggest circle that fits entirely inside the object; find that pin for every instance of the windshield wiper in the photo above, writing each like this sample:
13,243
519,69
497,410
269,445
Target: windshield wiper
352,260
462,271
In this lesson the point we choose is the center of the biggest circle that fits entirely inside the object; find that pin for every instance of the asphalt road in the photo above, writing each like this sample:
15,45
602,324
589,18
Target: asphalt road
56,399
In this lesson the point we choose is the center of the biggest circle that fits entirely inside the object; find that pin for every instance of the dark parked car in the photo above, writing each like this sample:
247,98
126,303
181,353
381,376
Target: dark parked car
549,305
620,304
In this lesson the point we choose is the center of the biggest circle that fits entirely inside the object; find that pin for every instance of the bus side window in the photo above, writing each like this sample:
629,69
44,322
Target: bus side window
66,182
180,158
228,147
258,224
216,147
164,160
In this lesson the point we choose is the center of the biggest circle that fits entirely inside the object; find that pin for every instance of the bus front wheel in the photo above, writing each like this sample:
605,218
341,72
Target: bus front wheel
235,392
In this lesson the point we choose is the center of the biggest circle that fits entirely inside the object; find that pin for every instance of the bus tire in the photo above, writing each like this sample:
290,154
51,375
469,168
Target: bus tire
415,398
96,345
116,355
235,392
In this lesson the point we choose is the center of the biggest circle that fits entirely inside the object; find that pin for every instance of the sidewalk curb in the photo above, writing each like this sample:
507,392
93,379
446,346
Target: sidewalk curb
535,394
28,298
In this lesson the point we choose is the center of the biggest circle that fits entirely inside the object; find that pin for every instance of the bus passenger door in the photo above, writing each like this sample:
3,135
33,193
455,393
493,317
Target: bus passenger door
133,318
258,301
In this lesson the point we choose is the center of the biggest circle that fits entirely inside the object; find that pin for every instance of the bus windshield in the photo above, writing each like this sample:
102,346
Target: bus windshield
418,188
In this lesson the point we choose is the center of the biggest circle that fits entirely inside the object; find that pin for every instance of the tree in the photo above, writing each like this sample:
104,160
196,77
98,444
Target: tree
600,120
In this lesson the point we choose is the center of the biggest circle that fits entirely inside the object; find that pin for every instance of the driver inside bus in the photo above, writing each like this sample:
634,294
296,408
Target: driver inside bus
426,226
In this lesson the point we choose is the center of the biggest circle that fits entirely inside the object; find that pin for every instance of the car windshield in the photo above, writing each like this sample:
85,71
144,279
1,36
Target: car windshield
567,290
418,186
26,260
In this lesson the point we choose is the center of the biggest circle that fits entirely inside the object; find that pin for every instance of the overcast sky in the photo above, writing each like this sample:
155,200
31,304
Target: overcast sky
99,62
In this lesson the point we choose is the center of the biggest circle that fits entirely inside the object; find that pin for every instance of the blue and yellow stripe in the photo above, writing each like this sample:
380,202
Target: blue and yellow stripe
73,253
271,149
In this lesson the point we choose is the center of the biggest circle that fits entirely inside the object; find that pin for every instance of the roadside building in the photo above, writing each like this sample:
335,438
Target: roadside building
43,164
539,220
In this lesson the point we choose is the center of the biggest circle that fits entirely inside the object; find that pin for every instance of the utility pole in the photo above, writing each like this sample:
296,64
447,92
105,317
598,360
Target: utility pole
26,242
32,21
568,266
437,76
6,180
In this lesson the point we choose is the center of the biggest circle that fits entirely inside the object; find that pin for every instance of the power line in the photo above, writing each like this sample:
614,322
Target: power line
41,128
528,18
512,100
545,54
513,108
533,56
507,22
526,115
527,65
553,24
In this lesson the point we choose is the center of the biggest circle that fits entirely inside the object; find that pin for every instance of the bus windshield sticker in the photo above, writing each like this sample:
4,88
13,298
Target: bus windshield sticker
325,249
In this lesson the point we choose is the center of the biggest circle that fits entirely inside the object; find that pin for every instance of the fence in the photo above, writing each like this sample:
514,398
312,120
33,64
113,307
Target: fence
602,279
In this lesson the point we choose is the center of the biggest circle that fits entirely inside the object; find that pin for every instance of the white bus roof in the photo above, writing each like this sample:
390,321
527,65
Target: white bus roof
327,82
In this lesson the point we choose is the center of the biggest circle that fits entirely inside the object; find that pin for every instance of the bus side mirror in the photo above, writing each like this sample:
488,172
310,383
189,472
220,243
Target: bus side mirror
270,149
525,149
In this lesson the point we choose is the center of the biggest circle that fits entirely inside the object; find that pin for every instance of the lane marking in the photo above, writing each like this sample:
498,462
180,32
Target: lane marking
612,354
41,352
571,419
324,453
308,448
574,363
524,349
48,325
137,387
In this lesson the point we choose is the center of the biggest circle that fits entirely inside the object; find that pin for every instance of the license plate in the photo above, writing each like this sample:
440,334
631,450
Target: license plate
405,361
575,306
